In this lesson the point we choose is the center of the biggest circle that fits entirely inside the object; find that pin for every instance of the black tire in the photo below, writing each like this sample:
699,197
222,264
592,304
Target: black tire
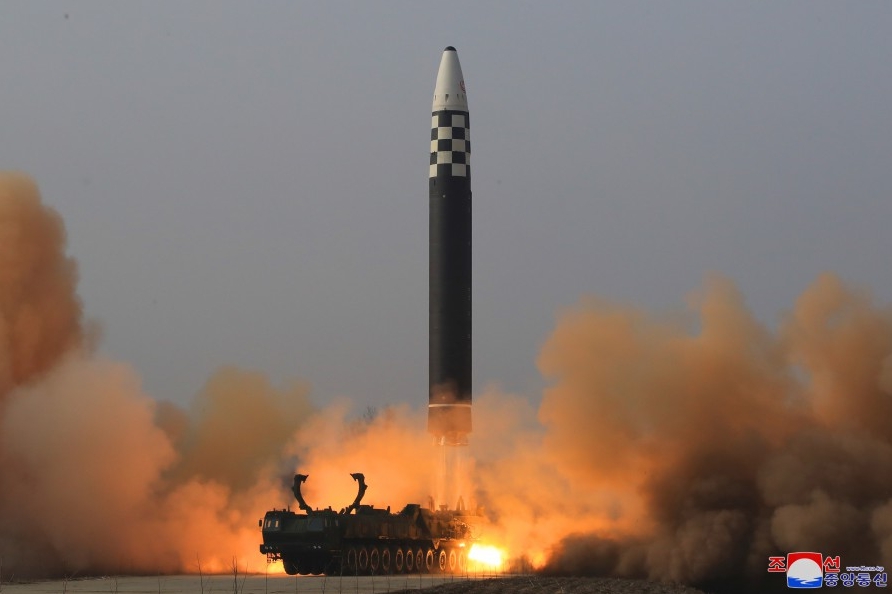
374,560
350,563
289,565
441,561
419,560
386,567
410,560
429,564
362,560
398,560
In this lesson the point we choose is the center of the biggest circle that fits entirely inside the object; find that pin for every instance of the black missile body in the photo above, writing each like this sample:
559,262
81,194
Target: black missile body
449,398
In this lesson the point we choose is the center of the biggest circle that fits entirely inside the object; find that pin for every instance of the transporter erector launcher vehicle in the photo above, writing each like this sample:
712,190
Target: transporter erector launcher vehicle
362,539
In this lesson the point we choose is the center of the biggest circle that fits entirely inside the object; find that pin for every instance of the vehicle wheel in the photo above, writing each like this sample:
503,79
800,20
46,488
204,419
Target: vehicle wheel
462,561
374,560
419,560
385,561
362,560
398,560
453,561
429,561
289,565
350,561
441,561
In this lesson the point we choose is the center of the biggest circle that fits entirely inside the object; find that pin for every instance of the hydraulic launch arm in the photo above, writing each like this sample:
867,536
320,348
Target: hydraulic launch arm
359,478
295,488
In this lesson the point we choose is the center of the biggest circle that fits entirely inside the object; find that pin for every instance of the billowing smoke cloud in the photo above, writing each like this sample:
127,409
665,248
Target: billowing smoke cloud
92,482
97,476
691,448
40,314
685,447
391,448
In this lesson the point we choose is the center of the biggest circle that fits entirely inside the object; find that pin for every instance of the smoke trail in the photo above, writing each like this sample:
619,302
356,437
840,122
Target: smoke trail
691,450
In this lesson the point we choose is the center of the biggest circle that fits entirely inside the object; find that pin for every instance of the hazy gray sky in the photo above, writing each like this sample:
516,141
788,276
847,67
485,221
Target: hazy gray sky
246,183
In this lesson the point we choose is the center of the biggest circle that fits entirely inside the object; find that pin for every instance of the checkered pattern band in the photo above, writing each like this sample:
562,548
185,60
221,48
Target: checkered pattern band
450,144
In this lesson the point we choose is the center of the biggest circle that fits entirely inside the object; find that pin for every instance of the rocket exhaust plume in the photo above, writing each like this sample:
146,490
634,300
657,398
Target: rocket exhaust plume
449,395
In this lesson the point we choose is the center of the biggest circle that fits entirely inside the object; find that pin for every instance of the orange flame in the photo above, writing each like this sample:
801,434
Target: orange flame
487,556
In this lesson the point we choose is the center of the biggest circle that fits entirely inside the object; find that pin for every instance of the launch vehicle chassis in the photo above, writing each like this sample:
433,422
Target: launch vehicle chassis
363,540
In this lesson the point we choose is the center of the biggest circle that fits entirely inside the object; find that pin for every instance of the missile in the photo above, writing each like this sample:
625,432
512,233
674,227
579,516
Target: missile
449,395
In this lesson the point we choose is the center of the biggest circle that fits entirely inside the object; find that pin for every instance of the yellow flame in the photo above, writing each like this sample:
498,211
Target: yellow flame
537,559
486,555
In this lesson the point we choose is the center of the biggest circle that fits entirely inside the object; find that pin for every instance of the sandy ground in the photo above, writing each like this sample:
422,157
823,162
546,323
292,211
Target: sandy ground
280,584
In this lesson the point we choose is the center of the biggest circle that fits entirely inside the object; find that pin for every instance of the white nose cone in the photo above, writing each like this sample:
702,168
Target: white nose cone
450,90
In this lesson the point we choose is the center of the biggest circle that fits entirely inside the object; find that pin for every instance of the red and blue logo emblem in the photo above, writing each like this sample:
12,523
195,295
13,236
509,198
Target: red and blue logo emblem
805,570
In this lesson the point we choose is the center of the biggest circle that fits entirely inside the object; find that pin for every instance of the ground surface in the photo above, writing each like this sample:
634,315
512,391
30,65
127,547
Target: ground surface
562,585
280,584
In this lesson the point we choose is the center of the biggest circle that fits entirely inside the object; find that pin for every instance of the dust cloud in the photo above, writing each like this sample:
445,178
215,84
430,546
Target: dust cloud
41,314
97,477
689,448
682,447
